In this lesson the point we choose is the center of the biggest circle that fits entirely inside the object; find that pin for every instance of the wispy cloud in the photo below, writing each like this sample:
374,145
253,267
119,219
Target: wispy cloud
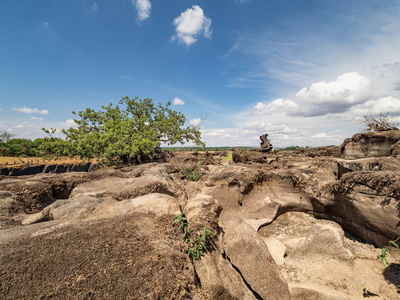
143,8
94,7
369,46
36,118
191,24
27,110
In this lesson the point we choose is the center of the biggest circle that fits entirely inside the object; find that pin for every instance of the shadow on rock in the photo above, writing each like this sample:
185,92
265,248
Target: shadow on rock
392,275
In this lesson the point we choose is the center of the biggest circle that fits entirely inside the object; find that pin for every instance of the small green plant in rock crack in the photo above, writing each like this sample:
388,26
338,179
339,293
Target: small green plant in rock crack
383,254
282,223
183,224
193,173
197,247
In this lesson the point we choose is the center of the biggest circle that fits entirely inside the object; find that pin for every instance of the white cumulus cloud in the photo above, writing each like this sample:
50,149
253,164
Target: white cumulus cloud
143,8
190,24
69,123
324,113
195,122
27,110
36,118
323,98
178,101
335,96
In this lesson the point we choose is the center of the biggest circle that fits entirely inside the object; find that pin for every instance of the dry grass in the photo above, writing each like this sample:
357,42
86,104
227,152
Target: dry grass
18,161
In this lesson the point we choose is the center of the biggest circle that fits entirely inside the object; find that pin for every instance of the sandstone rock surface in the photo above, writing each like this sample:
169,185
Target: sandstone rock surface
370,144
293,225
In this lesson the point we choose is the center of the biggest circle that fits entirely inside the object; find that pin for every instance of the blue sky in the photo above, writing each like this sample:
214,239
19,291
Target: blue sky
303,71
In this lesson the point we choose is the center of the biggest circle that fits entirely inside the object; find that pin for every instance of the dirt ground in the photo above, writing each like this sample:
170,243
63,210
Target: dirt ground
132,257
20,161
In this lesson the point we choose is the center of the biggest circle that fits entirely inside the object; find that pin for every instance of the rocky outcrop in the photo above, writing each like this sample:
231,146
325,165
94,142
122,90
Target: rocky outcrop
367,203
59,168
265,144
370,144
333,151
283,228
242,156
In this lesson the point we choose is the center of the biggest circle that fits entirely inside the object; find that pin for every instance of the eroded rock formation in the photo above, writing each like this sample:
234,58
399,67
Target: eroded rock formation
371,144
293,225
265,144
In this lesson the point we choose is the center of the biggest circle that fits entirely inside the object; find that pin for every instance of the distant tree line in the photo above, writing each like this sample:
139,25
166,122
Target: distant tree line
45,147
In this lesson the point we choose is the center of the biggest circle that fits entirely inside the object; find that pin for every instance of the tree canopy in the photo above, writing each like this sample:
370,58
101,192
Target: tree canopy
125,132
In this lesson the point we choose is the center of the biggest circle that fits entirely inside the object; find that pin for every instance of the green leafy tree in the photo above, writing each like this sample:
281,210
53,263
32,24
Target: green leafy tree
17,147
128,131
51,147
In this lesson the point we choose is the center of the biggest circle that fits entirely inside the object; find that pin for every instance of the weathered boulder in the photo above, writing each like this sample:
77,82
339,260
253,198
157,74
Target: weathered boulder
152,180
333,151
342,166
91,207
158,204
395,150
241,156
244,248
220,279
324,242
367,204
370,144
275,196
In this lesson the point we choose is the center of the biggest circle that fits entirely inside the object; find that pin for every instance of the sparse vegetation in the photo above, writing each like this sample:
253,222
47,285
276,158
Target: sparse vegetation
381,123
282,223
292,148
192,173
383,255
198,246
228,157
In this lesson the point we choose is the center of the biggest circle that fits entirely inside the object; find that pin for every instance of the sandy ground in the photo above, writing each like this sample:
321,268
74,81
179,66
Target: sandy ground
20,161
